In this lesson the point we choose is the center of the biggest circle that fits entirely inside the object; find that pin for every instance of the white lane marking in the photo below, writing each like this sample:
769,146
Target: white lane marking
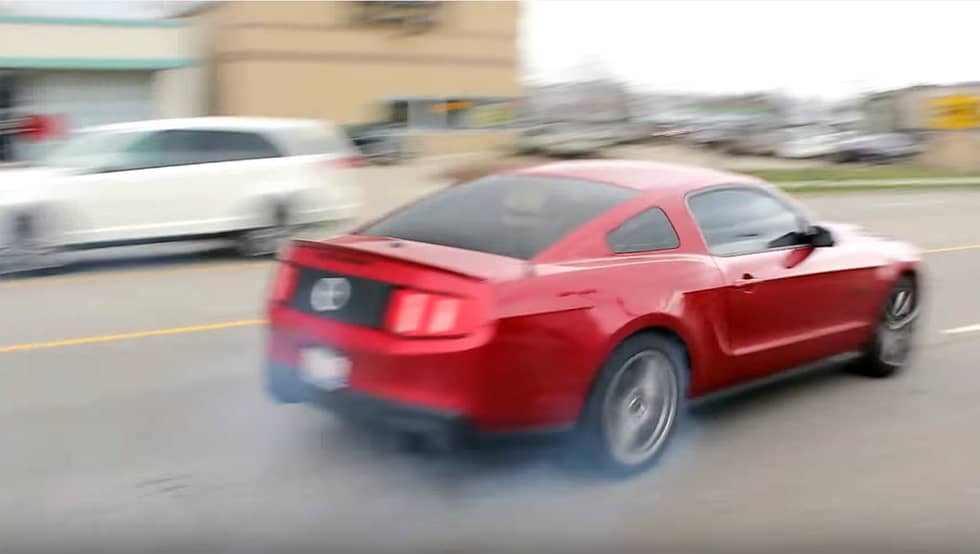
909,203
965,329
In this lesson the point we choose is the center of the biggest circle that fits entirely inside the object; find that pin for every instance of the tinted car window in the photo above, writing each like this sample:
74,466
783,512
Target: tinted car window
92,149
509,215
650,230
739,221
192,146
226,146
162,149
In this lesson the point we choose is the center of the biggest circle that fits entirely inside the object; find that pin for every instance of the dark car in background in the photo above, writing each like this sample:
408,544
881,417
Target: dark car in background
877,148
717,132
378,144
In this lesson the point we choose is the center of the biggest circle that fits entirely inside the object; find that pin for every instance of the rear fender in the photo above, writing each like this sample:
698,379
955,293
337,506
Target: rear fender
666,322
701,333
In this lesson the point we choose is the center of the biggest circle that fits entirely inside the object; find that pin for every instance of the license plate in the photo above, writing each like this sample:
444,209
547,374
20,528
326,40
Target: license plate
325,368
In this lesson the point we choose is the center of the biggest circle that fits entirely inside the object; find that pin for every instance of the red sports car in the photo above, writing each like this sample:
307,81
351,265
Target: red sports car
595,297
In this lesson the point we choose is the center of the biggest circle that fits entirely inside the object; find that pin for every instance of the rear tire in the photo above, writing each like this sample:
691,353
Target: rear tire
268,240
635,405
891,346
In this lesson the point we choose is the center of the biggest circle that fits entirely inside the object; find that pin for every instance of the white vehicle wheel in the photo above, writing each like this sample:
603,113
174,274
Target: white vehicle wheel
27,251
268,240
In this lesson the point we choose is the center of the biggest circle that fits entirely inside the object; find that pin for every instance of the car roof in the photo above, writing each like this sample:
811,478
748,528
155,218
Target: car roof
267,124
639,175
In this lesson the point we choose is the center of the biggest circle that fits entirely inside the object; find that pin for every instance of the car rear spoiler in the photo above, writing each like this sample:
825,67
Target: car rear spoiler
358,256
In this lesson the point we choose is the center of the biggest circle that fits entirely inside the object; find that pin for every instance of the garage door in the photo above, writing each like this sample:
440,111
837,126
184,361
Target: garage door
85,98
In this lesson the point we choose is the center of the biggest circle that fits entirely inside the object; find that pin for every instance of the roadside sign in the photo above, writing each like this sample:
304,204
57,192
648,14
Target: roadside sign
488,115
959,111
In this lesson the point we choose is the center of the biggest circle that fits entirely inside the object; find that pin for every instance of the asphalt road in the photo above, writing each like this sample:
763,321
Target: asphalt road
164,440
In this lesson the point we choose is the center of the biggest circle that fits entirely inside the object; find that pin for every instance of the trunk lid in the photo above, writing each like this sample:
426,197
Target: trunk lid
401,287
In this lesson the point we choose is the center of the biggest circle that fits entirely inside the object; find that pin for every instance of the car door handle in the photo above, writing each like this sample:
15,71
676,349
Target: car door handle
746,283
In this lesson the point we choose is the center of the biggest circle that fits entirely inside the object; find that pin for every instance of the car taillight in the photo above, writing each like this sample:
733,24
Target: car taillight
285,283
425,314
346,162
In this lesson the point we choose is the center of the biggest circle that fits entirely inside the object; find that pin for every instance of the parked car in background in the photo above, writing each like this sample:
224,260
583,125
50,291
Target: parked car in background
378,144
577,139
716,133
755,139
248,180
809,141
879,148
534,137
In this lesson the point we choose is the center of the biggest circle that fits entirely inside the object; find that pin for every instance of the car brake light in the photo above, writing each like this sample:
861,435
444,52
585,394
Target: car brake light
425,314
346,162
285,283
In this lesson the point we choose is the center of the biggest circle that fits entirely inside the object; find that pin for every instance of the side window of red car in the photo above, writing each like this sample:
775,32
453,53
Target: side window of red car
647,231
737,221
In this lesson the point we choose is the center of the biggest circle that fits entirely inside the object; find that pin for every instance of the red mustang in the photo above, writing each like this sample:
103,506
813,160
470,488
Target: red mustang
594,296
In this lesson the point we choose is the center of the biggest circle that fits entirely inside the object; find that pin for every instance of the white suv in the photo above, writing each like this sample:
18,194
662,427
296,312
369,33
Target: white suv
247,179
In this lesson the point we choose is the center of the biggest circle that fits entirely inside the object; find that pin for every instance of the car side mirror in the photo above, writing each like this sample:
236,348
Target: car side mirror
819,237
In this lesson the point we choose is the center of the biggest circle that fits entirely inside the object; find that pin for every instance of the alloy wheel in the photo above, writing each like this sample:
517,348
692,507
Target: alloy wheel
896,328
640,407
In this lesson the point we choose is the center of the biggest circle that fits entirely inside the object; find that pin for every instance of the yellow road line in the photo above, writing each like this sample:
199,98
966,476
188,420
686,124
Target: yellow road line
129,336
953,248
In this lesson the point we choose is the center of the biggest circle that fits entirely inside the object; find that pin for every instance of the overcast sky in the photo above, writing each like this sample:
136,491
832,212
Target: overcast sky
826,47
829,48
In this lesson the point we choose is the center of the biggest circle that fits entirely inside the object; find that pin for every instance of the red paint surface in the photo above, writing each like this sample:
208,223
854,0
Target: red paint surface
539,331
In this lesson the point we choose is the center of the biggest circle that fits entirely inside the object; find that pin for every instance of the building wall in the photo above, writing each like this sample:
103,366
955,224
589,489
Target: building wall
170,52
96,71
44,43
180,92
312,59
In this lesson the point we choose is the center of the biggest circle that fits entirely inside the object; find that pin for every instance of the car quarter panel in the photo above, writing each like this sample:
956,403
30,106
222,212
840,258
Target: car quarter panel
678,289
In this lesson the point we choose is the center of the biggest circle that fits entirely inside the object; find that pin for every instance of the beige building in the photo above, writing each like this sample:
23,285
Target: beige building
446,72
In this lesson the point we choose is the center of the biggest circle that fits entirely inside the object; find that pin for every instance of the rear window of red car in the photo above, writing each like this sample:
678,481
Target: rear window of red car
517,216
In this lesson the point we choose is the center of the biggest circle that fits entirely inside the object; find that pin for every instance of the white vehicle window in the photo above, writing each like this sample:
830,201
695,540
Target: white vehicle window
224,146
178,147
162,149
91,149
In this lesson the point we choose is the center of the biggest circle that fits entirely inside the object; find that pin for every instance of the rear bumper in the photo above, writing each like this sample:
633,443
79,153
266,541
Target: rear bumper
437,426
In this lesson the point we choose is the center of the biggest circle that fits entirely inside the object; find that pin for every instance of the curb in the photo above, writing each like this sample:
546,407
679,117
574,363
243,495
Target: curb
884,184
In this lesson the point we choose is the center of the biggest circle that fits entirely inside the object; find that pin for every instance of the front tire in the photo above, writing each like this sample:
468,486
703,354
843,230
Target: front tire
891,346
635,405
29,249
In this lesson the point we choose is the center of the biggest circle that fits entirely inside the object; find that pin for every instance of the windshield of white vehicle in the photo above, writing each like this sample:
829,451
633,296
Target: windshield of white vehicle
90,149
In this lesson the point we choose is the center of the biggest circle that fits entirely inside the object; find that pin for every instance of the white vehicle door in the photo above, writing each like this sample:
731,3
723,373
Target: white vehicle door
222,191
144,193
